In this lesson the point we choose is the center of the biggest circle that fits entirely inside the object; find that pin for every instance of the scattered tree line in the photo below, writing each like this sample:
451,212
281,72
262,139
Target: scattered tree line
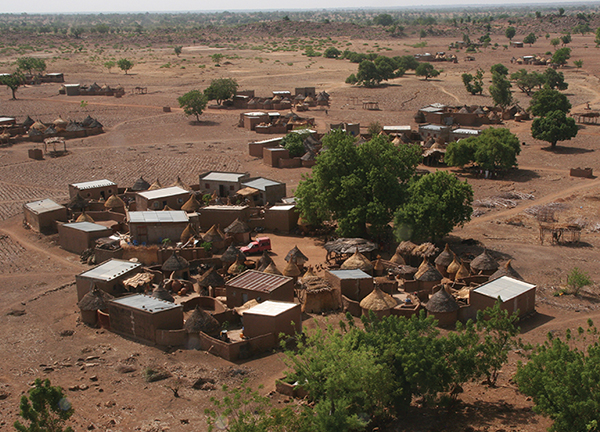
194,102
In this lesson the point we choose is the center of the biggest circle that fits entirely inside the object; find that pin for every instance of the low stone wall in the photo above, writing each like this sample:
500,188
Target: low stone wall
171,337
290,163
582,172
237,350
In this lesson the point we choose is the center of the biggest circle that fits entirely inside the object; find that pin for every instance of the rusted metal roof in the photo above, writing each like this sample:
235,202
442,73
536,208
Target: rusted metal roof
258,281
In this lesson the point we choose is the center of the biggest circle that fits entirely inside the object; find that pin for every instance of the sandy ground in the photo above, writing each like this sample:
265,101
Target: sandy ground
38,314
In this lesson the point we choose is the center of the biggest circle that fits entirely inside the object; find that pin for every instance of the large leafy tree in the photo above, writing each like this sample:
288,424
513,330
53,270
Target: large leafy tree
426,70
438,202
193,103
46,409
13,82
357,184
494,148
221,89
554,79
527,81
29,64
554,127
294,143
510,32
546,100
561,56
473,84
500,90
125,65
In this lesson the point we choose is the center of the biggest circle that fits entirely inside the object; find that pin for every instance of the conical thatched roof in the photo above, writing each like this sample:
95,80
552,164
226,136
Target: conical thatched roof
297,255
140,185
462,272
378,301
175,263
397,259
212,235
441,301
422,267
181,184
237,227
425,250
291,269
406,248
264,261
77,203
237,267
309,273
39,126
167,208
59,122
484,262
506,270
231,254
84,217
378,265
28,122
211,278
161,293
429,274
357,261
156,185
315,284
454,266
272,269
445,258
95,299
114,202
191,205
201,321
188,233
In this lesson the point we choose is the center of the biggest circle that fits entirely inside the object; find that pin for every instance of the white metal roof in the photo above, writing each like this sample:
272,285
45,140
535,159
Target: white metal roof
224,207
504,287
6,119
223,176
270,308
467,131
283,207
43,206
397,128
157,216
93,184
145,303
433,127
309,131
110,270
72,85
163,193
270,140
87,226
350,274
282,92
54,74
255,114
430,109
260,183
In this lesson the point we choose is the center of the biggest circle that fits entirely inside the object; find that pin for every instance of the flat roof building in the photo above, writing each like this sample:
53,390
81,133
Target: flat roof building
94,189
273,317
152,227
107,277
224,183
78,236
270,191
261,286
354,284
158,199
42,215
514,294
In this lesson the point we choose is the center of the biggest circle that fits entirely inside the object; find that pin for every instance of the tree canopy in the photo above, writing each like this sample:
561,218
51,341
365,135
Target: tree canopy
546,100
13,82
473,84
332,52
221,89
553,127
438,202
357,184
554,79
29,64
193,103
46,409
527,81
530,39
294,143
426,70
494,148
510,32
500,90
125,65
561,56
499,69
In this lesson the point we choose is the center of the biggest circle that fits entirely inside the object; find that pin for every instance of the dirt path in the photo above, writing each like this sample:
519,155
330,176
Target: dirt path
443,90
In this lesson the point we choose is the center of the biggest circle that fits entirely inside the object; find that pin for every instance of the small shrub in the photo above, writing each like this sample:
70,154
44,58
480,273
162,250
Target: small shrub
577,279
153,375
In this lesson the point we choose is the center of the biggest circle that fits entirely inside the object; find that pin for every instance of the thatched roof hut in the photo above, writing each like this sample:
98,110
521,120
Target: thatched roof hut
484,263
28,122
191,205
462,272
309,273
114,202
397,259
60,123
264,261
237,267
442,302
379,302
318,295
296,255
429,274
162,294
156,185
358,261
201,321
84,217
188,233
445,258
95,299
425,250
77,203
453,267
213,235
291,269
211,279
231,255
272,269
506,270
349,245
243,308
237,227
181,184
167,208
175,263
140,185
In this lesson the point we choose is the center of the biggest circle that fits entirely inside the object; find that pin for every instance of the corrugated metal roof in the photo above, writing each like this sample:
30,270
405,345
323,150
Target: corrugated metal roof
163,193
223,208
43,206
145,303
397,128
110,270
433,127
350,274
93,184
504,287
270,308
175,216
258,281
223,176
255,114
260,183
283,207
467,131
6,119
430,109
270,140
87,226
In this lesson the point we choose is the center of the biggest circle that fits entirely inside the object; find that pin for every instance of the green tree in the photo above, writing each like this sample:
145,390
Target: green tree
46,409
546,101
510,32
193,103
406,62
384,20
352,79
578,64
438,203
29,64
77,31
426,70
566,39
526,81
563,380
555,42
561,11
13,82
355,185
221,89
332,52
500,91
577,279
178,50
530,39
217,57
499,69
294,143
422,34
597,38
109,65
473,84
125,65
554,80
554,127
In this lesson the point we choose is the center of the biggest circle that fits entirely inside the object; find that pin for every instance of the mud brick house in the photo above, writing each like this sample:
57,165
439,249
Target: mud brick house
515,295
224,183
282,218
222,215
107,276
269,191
434,131
42,215
256,148
273,317
354,284
152,227
78,236
95,189
140,316
260,286
158,199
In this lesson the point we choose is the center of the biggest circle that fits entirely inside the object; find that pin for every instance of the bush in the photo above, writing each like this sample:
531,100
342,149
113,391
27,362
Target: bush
577,279
294,143
46,409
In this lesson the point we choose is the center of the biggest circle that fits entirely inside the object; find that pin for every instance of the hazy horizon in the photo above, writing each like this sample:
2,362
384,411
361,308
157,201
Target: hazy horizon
188,6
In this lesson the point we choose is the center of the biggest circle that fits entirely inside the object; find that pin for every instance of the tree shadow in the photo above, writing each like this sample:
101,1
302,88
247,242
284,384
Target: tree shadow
521,175
203,123
566,150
